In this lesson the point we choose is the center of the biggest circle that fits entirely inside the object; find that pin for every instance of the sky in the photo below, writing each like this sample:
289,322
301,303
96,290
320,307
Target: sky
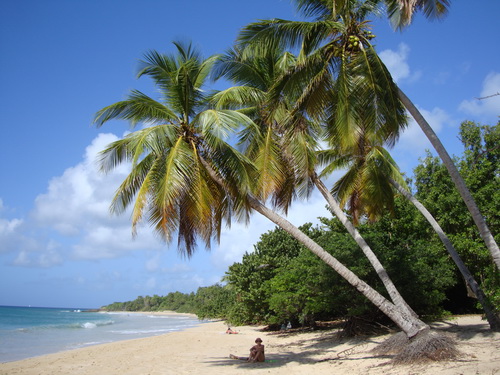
63,60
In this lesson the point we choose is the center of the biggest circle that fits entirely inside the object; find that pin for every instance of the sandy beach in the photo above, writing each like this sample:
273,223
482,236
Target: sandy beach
205,350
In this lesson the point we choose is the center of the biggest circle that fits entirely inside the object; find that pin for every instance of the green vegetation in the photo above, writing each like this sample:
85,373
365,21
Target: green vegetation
281,281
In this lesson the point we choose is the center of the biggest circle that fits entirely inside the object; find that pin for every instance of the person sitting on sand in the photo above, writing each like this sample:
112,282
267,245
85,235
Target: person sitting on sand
256,353
230,331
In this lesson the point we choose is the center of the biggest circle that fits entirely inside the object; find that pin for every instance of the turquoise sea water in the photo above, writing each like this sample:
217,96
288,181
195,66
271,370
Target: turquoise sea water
32,331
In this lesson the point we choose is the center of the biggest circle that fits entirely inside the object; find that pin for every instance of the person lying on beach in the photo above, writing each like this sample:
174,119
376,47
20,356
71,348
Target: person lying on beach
256,353
230,331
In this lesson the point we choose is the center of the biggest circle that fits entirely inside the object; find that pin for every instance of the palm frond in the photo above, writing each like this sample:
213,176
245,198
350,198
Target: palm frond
401,12
388,117
259,37
267,161
138,108
238,97
217,125
128,189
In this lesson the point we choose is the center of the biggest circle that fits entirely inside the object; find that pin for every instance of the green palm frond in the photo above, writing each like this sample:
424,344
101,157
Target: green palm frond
237,97
389,115
204,71
332,160
259,37
342,125
366,186
136,145
243,71
217,125
131,186
319,9
267,161
137,108
158,67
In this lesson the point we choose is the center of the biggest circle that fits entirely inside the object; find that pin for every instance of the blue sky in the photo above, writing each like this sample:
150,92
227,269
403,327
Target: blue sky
61,61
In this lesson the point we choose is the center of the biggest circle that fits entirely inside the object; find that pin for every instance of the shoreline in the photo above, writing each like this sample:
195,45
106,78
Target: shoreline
70,329
154,313
206,348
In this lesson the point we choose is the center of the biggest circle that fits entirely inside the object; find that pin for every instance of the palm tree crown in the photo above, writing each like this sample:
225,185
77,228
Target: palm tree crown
283,151
169,184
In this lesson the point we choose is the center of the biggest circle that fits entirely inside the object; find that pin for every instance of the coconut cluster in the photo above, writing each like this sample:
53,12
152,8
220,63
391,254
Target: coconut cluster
354,40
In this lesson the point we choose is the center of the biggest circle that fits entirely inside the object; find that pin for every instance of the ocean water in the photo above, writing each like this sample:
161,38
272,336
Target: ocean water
32,331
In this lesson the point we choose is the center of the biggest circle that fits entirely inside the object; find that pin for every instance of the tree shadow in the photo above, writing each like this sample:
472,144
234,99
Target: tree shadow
311,349
464,331
328,346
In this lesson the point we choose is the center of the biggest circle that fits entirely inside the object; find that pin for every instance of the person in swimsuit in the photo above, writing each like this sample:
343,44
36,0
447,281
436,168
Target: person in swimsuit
256,353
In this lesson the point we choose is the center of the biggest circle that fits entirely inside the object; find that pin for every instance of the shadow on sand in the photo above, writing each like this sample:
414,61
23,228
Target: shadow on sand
327,346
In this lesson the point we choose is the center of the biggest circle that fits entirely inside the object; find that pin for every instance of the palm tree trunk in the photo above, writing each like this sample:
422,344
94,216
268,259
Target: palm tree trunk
456,177
491,316
407,322
396,298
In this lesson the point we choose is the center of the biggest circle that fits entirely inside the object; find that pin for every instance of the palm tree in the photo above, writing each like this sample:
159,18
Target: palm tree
284,156
368,185
457,179
401,12
337,42
169,184
185,178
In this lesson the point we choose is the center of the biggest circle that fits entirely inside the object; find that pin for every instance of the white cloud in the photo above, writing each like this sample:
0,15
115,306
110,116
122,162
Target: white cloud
396,62
8,227
44,258
74,212
81,196
489,106
12,234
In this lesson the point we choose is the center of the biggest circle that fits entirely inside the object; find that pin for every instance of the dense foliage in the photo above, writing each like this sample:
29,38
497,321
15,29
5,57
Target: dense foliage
480,167
281,281
176,301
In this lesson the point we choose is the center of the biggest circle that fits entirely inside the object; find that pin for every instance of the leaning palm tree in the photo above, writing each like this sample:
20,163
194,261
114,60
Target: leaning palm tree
367,188
401,13
284,156
339,35
186,179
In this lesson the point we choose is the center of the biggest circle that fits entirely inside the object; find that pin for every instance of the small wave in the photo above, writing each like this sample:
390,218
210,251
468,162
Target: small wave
78,325
98,324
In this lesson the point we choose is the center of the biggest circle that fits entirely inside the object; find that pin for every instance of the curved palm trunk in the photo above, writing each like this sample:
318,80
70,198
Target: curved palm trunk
456,177
396,298
407,322
493,319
